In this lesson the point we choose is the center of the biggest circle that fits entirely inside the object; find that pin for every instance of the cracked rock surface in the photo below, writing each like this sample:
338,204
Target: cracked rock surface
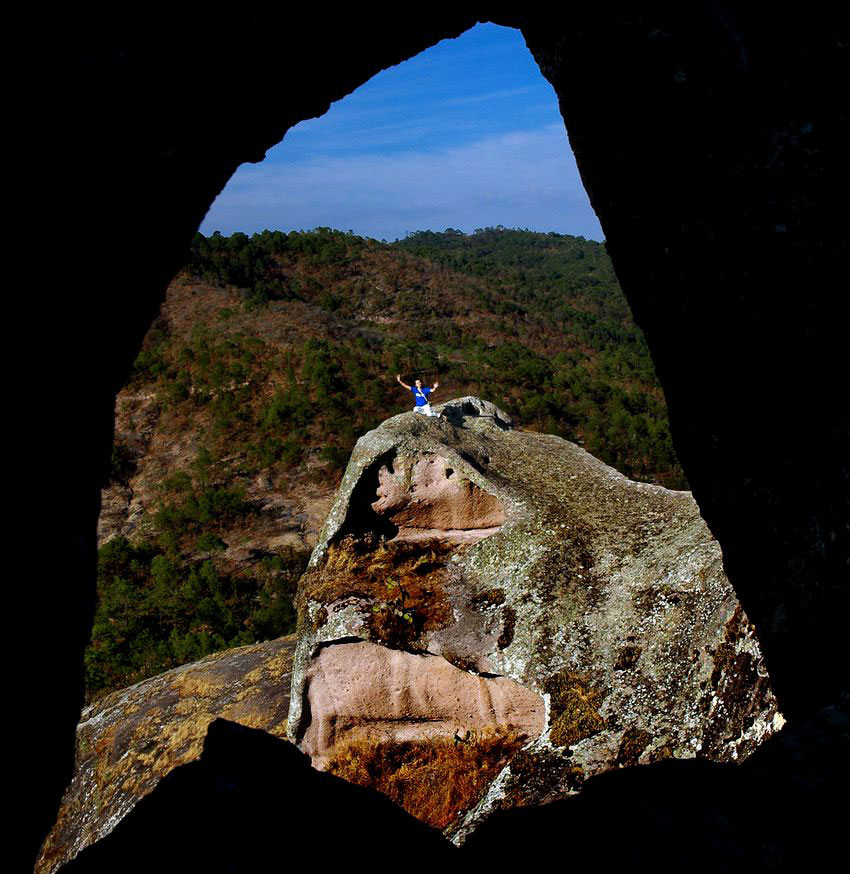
590,611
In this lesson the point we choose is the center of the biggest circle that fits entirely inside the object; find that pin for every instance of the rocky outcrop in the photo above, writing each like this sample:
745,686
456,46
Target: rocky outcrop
473,581
490,618
130,740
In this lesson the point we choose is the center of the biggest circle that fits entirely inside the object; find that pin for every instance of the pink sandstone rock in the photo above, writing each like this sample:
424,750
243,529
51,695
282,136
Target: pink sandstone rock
430,494
362,691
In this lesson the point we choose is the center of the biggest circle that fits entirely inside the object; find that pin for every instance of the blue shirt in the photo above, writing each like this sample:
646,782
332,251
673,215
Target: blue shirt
420,400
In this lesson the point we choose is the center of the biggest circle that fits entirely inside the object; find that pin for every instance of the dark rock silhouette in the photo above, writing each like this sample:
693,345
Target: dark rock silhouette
245,804
781,810
250,797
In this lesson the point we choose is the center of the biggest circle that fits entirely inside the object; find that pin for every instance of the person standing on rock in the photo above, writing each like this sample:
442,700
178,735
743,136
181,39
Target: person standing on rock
420,395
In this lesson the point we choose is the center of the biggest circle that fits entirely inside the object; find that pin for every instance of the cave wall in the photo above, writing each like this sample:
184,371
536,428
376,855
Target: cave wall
710,139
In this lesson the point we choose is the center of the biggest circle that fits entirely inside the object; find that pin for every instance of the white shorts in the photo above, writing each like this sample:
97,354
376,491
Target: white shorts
424,409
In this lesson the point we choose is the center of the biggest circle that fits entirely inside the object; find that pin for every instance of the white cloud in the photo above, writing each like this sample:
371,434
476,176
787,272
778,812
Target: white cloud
520,179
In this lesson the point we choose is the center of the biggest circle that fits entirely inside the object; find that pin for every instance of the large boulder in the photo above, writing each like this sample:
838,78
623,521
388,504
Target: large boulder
490,618
493,616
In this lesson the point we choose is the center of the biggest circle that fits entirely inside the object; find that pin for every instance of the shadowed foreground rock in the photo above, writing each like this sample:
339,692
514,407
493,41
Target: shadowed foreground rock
128,741
782,809
244,804
537,595
252,797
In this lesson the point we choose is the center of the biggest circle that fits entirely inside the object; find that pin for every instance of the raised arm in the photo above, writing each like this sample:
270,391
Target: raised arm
435,386
398,378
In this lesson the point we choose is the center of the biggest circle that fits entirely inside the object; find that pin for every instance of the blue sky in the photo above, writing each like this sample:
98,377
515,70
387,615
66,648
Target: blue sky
464,135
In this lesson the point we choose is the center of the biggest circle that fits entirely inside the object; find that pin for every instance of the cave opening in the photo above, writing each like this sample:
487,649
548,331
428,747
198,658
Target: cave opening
259,318
466,134
731,106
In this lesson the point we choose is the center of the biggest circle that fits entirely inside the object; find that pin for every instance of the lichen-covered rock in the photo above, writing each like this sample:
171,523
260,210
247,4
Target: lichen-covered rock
129,740
599,605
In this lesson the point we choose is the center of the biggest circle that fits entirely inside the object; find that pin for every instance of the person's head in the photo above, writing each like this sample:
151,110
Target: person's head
418,383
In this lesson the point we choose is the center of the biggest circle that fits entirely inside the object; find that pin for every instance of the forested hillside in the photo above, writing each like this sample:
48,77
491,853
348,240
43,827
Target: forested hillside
273,353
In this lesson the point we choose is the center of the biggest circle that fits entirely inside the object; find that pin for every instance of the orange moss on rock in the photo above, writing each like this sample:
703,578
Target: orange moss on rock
434,780
574,703
404,581
632,745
